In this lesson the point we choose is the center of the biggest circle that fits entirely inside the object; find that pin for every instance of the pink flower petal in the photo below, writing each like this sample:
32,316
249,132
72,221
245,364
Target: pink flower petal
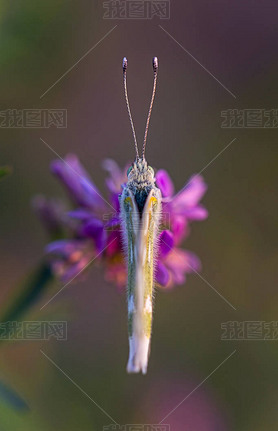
191,194
164,183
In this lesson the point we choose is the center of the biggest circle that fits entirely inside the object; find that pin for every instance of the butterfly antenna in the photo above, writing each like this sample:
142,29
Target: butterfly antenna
155,67
128,108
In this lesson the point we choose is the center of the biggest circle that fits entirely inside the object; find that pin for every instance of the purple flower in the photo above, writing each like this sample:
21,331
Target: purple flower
184,207
51,212
70,257
78,183
94,230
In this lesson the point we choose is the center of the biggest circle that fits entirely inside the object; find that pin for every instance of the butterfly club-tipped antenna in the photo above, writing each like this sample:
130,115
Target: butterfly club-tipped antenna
155,68
128,107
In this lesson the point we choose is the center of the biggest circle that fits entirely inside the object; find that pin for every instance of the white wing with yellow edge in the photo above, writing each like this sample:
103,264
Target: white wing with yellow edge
141,231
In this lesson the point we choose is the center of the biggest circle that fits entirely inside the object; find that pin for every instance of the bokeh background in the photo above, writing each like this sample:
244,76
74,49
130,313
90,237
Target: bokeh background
237,43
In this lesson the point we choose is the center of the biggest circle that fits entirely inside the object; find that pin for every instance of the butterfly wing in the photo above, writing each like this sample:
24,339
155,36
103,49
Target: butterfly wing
141,235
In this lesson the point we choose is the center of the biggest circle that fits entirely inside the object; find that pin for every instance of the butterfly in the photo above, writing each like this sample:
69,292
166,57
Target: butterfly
140,210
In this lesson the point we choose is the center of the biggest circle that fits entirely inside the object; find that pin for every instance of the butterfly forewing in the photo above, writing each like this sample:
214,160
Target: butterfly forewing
140,230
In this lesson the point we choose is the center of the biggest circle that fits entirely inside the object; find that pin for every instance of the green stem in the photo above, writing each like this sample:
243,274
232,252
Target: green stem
29,292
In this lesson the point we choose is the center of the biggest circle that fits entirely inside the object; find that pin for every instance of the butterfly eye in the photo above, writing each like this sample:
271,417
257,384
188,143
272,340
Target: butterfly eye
129,170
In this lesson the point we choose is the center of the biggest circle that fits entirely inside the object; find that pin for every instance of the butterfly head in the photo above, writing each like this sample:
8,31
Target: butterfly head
140,172
140,182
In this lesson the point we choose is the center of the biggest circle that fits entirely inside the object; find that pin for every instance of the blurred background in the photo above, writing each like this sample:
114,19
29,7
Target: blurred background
224,56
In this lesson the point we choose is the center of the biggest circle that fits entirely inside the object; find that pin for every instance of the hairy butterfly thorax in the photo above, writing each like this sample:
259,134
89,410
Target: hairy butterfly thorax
140,206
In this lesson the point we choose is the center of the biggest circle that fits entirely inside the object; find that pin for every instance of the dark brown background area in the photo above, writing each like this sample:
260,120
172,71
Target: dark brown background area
237,43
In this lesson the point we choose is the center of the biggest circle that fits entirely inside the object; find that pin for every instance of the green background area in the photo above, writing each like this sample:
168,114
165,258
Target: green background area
234,46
